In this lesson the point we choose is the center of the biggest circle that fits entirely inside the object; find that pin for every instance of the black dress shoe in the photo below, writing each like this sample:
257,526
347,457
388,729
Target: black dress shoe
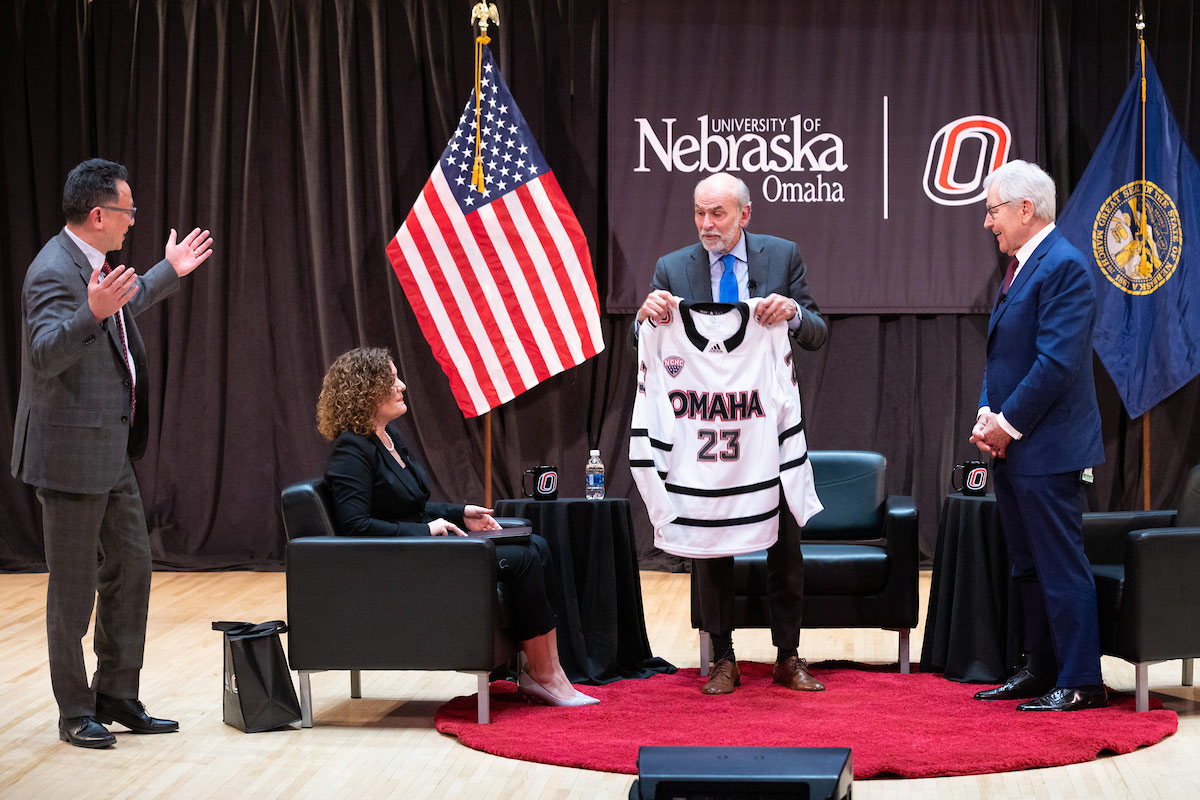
132,715
1021,686
84,732
1067,699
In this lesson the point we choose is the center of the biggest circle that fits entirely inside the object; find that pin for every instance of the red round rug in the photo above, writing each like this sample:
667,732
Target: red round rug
910,726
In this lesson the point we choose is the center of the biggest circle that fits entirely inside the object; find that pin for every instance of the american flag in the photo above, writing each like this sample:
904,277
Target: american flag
501,281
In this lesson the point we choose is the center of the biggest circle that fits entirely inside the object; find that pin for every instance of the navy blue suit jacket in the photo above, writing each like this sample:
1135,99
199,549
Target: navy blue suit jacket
1039,363
374,496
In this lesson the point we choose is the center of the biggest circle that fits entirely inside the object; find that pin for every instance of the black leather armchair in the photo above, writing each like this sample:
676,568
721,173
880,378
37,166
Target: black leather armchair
358,603
1146,565
861,557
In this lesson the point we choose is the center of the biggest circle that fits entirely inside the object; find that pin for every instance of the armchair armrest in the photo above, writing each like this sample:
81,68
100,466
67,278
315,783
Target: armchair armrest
1160,595
514,522
1105,532
391,603
903,549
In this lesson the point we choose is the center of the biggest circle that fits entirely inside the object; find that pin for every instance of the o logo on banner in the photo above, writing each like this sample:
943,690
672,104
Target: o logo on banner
962,154
977,478
547,483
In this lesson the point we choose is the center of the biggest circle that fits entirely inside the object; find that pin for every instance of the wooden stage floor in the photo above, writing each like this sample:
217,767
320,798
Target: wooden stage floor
384,744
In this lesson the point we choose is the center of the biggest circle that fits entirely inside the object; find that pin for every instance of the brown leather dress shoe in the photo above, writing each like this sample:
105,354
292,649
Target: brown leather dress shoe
793,673
723,678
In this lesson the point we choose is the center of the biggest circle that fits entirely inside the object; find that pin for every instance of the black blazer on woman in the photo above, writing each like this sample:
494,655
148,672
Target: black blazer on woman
375,496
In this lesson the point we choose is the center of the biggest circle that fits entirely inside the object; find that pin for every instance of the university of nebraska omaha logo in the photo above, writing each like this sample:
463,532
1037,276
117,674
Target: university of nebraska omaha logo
673,365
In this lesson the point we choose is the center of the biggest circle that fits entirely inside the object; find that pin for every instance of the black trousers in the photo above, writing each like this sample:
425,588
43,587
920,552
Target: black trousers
785,588
529,573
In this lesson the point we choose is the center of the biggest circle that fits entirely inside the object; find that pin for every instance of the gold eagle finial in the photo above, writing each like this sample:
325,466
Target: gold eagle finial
483,13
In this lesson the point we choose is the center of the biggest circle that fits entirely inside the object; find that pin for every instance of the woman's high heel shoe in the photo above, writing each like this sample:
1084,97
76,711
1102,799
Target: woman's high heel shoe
535,691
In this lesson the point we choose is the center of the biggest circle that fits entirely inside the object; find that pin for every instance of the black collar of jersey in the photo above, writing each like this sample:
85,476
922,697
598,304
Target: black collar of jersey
694,336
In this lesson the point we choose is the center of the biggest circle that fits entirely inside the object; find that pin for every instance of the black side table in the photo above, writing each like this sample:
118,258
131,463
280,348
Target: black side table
973,622
601,626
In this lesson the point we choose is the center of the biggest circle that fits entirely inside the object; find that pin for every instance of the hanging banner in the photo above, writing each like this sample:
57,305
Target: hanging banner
864,131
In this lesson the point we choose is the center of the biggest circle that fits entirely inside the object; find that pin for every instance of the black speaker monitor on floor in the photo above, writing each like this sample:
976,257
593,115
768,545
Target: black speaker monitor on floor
715,773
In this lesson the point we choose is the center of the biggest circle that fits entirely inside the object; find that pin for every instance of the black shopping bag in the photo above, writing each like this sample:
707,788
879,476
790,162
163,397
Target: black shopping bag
259,695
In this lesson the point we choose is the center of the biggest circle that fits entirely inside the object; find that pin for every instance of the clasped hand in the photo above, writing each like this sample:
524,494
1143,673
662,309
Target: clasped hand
989,437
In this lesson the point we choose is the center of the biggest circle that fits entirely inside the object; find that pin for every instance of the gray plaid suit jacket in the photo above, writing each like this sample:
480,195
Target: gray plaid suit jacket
72,429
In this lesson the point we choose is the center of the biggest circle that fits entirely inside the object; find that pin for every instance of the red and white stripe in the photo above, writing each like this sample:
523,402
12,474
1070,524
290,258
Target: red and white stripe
505,294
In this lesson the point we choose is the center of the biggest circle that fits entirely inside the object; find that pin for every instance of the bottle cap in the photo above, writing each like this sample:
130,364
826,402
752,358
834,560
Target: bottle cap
594,452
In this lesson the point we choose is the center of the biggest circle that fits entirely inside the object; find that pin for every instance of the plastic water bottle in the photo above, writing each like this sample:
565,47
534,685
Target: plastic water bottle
594,477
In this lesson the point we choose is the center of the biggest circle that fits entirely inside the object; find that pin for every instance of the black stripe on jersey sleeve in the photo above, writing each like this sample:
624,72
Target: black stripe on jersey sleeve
794,463
733,490
792,431
726,523
661,445
639,462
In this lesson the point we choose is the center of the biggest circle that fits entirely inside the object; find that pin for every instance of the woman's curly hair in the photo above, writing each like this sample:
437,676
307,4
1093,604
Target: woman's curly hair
350,393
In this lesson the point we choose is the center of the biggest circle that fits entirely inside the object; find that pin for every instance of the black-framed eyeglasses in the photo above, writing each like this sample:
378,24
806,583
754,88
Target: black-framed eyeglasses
131,211
991,210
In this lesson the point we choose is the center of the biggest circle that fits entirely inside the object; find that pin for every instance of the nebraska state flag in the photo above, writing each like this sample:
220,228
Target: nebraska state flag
1144,236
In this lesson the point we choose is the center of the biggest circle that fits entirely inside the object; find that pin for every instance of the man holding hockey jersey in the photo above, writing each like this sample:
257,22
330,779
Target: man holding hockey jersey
731,265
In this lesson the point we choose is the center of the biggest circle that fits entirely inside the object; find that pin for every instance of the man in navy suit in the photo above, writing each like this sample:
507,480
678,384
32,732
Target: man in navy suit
730,264
1038,418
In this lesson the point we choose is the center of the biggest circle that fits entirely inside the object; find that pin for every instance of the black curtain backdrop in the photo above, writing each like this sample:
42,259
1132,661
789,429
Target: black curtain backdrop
300,132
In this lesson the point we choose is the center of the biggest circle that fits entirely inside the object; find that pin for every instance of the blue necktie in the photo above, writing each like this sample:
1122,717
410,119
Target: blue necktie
729,287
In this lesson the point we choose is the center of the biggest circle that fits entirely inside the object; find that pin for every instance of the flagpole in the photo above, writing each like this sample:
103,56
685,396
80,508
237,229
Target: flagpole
481,14
1141,28
487,459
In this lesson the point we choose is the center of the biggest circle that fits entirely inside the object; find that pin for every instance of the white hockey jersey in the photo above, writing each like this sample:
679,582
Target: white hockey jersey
717,428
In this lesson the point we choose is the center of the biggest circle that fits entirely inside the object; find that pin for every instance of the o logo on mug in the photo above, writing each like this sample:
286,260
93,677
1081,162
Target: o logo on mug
974,477
545,482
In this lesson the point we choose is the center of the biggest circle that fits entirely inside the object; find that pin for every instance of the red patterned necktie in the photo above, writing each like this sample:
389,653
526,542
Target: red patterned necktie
124,352
1008,275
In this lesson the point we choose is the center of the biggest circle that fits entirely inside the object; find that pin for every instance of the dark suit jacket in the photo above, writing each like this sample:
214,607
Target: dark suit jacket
72,428
1039,363
374,496
774,266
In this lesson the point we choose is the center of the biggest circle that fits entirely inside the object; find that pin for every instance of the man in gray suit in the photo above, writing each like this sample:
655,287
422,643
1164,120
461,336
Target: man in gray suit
731,264
81,419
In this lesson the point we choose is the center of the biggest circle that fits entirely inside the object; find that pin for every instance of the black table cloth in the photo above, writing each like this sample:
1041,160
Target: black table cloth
601,626
973,622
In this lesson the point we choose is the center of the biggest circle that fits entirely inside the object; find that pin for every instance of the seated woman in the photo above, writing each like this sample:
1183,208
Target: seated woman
379,490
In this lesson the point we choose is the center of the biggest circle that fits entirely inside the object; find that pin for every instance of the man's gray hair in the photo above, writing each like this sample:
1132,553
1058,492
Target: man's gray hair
1020,180
741,192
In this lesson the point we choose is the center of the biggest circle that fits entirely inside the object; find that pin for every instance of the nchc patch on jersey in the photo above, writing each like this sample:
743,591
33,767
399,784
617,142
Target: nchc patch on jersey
717,429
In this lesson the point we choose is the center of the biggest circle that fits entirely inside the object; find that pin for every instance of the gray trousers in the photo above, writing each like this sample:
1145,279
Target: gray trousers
96,545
